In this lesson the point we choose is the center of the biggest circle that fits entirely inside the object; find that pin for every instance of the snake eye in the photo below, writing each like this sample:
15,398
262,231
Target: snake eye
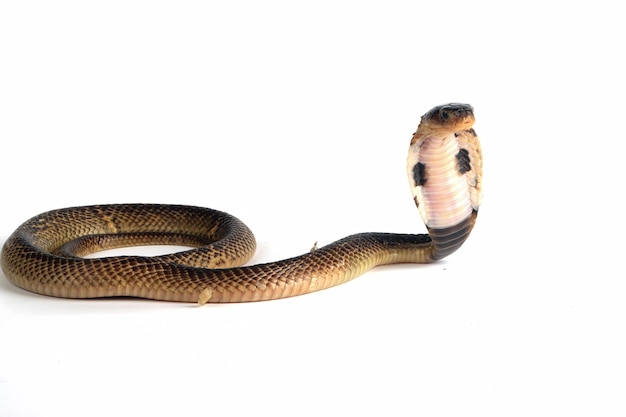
443,115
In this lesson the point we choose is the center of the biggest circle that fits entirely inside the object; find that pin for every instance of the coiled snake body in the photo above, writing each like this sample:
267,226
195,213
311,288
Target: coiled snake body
43,255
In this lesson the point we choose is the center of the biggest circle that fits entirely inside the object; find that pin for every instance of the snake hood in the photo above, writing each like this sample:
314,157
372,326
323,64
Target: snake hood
444,167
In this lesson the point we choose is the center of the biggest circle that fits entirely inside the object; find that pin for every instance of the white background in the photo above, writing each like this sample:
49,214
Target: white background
296,118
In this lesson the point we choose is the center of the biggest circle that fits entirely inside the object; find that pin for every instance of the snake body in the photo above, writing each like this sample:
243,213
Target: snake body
44,254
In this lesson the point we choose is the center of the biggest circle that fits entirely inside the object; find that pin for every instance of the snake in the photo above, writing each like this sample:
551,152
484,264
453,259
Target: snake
47,254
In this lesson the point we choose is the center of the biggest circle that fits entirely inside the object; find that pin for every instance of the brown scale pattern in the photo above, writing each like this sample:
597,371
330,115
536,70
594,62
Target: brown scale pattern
39,258
44,254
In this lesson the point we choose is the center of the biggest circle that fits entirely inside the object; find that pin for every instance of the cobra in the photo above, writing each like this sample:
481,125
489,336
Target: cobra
46,253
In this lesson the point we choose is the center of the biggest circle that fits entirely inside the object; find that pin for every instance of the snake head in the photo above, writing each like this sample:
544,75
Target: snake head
452,117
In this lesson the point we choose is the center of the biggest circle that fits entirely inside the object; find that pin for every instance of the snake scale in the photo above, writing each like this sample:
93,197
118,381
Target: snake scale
45,254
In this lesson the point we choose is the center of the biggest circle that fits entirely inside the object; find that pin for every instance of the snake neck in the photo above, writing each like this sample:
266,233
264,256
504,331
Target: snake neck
447,240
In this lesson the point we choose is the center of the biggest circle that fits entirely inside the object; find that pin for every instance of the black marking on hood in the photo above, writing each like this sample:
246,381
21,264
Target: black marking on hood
419,174
463,159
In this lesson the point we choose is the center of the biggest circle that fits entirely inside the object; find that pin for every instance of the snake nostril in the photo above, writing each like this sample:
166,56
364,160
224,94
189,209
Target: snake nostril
463,110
